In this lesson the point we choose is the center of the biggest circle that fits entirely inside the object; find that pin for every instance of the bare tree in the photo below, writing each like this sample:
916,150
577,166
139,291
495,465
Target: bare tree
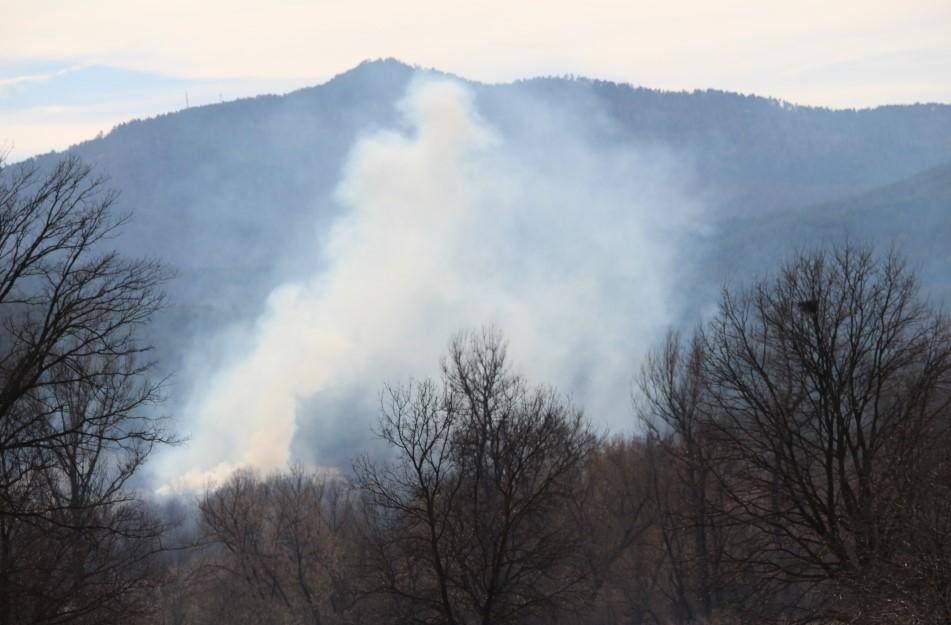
830,383
672,400
283,548
618,511
473,521
77,402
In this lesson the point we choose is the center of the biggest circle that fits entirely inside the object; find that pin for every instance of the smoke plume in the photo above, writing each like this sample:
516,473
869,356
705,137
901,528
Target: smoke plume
568,246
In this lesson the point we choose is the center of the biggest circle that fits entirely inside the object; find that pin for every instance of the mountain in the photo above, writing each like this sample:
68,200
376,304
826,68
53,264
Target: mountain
766,155
261,161
228,193
913,215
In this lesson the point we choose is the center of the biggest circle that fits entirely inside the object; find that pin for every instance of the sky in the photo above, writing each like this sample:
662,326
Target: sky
69,70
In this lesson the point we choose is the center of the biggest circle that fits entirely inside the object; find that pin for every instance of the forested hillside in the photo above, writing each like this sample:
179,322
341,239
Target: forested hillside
911,215
261,167
232,194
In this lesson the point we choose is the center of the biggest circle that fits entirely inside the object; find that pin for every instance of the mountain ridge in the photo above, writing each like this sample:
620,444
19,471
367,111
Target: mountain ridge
228,192
911,216
393,62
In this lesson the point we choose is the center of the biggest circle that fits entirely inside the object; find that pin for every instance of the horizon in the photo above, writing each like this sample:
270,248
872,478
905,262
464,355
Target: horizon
16,155
94,66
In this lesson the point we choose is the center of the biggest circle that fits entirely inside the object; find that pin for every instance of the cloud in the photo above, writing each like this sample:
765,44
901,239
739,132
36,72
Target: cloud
564,243
8,86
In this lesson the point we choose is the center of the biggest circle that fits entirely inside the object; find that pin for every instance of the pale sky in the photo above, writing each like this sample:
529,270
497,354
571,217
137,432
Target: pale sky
70,69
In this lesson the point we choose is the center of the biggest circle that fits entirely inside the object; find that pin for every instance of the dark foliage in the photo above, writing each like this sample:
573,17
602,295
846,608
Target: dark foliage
76,404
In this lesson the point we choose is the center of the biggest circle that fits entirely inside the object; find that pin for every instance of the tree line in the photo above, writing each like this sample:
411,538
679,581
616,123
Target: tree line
790,463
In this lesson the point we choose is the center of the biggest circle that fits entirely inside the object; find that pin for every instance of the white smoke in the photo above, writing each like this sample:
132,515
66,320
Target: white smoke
566,246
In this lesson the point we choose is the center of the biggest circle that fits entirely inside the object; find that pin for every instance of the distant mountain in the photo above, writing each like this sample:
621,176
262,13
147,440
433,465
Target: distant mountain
227,192
763,154
913,215
264,161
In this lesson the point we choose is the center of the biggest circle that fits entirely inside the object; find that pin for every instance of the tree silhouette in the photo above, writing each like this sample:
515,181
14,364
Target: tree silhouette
76,402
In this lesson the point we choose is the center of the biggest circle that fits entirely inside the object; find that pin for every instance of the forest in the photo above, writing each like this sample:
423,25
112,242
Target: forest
789,461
